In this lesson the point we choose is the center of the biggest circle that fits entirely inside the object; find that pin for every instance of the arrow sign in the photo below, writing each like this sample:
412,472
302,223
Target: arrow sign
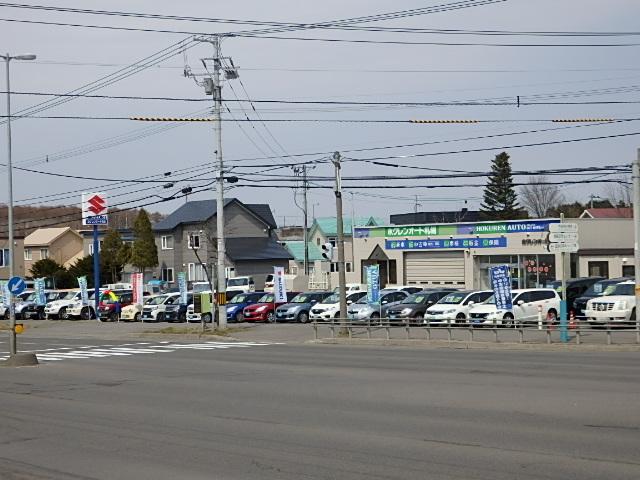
563,228
16,285
563,247
563,237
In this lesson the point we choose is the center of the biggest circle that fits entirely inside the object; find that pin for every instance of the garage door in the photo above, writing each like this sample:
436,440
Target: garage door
435,268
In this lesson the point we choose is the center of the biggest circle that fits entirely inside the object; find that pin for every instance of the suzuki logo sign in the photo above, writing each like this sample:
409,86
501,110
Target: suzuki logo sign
94,209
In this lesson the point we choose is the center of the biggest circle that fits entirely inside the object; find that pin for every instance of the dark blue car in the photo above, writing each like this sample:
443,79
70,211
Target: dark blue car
238,302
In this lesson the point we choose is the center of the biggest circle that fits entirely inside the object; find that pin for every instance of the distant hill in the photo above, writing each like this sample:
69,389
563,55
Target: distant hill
27,218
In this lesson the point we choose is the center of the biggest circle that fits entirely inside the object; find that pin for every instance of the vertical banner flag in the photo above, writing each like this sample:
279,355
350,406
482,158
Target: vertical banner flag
41,298
279,285
501,286
84,293
182,285
373,283
136,283
4,293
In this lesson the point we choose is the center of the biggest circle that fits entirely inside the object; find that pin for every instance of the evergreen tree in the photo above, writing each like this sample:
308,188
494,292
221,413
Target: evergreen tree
114,254
500,199
144,253
84,267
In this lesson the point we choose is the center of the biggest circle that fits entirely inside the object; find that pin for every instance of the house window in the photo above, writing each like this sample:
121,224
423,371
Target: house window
194,241
628,270
167,242
5,258
318,241
293,270
333,241
348,267
196,272
44,253
27,254
167,275
598,269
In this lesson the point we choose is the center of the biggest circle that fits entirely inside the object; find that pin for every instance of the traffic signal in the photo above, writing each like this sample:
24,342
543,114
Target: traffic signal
327,251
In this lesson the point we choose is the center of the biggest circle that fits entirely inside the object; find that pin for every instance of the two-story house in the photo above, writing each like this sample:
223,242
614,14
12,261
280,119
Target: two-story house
187,242
325,230
63,244
5,259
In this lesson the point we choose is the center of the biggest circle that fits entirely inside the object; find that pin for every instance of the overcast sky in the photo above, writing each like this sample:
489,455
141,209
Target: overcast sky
69,57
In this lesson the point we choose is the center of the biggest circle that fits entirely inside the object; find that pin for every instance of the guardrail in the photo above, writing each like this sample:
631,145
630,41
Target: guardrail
467,330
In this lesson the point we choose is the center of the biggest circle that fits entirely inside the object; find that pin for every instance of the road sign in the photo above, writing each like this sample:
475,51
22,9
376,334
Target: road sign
16,285
563,228
563,247
94,209
561,237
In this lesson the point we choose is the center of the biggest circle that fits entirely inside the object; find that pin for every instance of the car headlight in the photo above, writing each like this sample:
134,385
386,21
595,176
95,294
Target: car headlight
261,309
406,311
451,310
621,305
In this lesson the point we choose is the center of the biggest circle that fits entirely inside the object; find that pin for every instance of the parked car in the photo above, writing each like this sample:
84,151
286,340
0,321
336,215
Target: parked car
576,287
60,308
598,289
353,287
618,305
236,306
177,312
415,305
111,302
406,288
4,307
241,285
298,309
265,308
525,308
133,312
29,308
330,306
364,310
153,311
85,312
455,307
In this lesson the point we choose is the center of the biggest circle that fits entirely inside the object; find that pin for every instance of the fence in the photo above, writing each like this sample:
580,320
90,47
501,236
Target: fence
458,331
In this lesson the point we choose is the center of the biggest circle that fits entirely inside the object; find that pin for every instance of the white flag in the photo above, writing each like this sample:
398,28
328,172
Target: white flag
279,285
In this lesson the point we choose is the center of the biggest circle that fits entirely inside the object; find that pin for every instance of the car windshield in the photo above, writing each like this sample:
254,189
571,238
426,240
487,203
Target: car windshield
453,298
301,298
237,282
415,298
333,298
492,298
157,300
620,289
31,297
240,299
69,296
53,296
266,298
598,288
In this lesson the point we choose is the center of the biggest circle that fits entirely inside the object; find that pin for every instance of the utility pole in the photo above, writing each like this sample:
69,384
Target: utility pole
306,220
221,291
342,282
635,174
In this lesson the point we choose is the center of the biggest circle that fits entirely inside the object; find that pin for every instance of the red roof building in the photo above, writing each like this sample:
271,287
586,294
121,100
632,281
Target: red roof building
616,212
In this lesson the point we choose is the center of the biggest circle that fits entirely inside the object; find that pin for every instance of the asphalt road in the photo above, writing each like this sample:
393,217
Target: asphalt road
319,412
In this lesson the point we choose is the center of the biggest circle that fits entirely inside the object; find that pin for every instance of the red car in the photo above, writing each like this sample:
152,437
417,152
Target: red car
264,309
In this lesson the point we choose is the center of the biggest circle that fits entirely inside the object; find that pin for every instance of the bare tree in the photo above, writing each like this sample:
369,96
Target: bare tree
620,193
538,197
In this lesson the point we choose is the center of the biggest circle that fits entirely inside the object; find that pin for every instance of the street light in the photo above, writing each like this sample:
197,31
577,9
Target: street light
12,317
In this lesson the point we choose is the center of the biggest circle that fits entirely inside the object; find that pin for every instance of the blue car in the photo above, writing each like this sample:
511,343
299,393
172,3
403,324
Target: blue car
238,302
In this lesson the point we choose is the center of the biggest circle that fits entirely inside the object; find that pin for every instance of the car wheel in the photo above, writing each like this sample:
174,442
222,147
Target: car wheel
375,316
85,314
160,317
40,315
182,317
113,317
271,317
63,314
303,317
507,320
6,314
206,318
137,317
632,318
239,317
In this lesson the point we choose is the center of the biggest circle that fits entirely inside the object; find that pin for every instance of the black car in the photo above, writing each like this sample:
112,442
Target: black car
576,287
415,305
595,290
178,312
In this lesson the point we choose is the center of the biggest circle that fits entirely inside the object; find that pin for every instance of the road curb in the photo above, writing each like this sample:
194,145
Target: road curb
465,345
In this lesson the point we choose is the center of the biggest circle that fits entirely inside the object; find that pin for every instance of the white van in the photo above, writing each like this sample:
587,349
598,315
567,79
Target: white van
525,308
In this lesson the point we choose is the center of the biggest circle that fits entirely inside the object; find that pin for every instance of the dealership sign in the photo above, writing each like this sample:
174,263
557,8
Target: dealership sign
94,209
459,243
487,228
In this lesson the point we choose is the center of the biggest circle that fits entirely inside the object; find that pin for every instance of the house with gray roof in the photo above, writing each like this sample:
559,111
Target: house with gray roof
187,241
